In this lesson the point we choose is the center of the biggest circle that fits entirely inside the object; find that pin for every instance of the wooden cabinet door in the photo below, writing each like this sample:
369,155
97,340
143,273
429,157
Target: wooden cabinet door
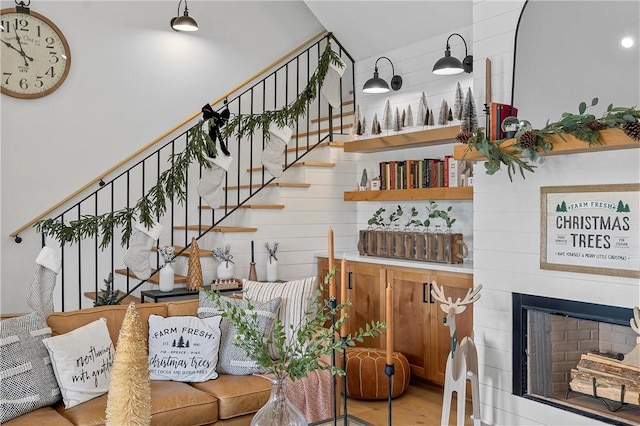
411,317
455,286
366,289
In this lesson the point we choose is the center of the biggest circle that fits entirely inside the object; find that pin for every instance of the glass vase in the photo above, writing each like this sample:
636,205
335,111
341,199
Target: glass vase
278,411
167,278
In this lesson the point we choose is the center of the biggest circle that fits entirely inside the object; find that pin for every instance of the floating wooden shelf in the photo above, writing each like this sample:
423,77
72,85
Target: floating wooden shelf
437,136
445,193
611,139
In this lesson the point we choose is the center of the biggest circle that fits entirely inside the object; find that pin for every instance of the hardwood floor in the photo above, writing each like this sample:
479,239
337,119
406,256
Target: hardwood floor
421,404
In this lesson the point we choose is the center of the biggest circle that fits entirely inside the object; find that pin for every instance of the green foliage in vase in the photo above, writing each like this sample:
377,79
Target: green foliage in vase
411,221
377,218
313,340
531,142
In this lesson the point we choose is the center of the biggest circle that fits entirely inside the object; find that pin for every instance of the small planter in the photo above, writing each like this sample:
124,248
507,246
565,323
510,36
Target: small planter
440,247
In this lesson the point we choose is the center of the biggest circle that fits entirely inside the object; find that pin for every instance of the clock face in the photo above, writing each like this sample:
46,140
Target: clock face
35,55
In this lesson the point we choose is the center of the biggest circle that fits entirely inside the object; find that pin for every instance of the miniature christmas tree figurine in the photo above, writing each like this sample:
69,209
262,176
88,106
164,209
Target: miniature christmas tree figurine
444,113
409,120
194,273
469,120
387,121
364,179
108,296
457,106
129,397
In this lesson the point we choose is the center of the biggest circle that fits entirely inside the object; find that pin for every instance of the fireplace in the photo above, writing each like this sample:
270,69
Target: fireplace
550,338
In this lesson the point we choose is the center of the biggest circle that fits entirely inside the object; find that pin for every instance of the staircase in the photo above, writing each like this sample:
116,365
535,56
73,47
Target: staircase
256,206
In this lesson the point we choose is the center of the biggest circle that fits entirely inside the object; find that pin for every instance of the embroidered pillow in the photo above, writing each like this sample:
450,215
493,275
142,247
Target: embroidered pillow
233,360
183,348
82,361
296,297
27,381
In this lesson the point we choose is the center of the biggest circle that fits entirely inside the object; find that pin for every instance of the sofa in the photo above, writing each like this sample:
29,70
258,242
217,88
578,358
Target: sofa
227,400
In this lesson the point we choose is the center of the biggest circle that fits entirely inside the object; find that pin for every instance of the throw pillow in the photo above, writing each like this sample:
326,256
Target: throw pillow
184,348
296,297
27,381
233,360
82,361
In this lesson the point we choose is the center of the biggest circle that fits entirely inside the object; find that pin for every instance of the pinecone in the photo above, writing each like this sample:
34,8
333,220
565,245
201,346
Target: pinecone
595,125
528,139
464,136
632,129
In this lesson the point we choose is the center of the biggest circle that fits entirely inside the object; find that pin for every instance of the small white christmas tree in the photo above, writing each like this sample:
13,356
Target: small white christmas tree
457,106
387,120
409,120
444,113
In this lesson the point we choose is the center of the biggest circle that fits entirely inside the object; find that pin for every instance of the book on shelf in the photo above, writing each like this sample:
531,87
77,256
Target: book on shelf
498,112
424,173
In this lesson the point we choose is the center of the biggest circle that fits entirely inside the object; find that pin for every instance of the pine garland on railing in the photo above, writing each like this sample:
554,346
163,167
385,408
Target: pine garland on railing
531,142
171,183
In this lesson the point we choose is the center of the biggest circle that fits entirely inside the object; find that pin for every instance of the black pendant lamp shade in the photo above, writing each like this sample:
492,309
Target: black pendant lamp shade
448,65
378,85
184,22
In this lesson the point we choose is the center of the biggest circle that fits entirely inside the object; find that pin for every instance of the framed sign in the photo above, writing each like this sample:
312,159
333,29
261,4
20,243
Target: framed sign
592,229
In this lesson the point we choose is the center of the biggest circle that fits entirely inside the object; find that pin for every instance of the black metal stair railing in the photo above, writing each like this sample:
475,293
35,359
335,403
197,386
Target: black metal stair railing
85,264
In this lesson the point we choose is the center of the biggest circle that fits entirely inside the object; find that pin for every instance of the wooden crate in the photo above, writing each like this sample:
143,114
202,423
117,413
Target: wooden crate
440,247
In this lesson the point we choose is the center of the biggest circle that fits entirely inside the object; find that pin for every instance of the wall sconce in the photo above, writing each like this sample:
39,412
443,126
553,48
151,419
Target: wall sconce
184,22
448,65
378,85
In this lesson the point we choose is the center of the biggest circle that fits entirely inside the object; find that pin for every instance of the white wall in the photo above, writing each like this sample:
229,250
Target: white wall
132,78
506,223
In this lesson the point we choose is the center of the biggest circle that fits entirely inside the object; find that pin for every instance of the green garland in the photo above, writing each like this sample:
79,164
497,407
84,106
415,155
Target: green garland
530,143
171,183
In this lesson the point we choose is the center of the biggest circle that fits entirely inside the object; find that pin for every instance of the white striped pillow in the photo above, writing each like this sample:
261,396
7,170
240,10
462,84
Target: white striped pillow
296,297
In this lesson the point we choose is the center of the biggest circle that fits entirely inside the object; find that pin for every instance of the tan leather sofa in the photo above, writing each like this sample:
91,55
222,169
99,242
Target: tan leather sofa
228,400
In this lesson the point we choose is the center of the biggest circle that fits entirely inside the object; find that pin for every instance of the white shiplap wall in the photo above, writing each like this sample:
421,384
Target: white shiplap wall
506,235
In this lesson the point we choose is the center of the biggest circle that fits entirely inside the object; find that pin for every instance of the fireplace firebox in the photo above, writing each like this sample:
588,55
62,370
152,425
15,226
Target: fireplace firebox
552,336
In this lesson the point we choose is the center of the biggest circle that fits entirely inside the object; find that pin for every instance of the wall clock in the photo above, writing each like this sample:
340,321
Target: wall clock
35,54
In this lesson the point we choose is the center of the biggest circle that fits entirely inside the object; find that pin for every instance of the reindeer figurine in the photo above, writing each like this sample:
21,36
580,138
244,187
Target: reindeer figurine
633,357
462,363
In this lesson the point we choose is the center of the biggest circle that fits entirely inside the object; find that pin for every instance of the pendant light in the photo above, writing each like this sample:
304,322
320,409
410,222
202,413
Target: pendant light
448,65
378,85
184,22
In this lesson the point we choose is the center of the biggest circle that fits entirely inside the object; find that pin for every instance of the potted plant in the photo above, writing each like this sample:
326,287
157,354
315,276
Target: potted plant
272,264
225,269
313,341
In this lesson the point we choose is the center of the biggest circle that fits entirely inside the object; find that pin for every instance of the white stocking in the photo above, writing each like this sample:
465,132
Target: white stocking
210,185
137,256
40,297
273,154
331,85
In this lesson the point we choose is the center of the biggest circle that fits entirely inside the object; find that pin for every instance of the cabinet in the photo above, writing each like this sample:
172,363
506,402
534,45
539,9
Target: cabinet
419,332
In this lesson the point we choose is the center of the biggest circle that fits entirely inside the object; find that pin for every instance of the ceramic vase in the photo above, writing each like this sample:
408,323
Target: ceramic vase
272,270
167,276
225,270
278,411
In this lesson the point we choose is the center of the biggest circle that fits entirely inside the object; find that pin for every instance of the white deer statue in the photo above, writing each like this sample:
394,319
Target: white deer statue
633,357
462,363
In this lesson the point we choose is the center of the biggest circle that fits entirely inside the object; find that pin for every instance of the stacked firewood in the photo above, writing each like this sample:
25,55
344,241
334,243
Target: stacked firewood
609,374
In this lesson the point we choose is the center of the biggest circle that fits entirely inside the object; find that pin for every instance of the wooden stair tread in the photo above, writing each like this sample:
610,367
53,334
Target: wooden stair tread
130,298
154,279
248,206
321,131
300,164
187,252
280,184
304,147
202,228
334,116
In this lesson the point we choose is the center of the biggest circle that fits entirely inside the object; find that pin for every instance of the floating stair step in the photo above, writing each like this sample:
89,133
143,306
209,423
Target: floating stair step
154,279
322,131
279,184
329,144
300,164
203,228
334,116
249,206
187,252
130,298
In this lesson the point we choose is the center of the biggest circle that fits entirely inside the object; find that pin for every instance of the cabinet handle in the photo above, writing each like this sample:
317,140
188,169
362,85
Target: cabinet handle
424,293
349,280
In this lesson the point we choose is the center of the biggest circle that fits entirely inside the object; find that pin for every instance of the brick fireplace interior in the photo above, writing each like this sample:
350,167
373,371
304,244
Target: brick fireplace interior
551,336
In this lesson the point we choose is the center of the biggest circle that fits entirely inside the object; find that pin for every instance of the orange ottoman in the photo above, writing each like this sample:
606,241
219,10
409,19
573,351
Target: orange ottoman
366,378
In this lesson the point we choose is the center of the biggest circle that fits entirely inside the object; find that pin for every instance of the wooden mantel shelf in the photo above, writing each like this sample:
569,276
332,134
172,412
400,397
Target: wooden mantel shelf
611,139
437,136
444,193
